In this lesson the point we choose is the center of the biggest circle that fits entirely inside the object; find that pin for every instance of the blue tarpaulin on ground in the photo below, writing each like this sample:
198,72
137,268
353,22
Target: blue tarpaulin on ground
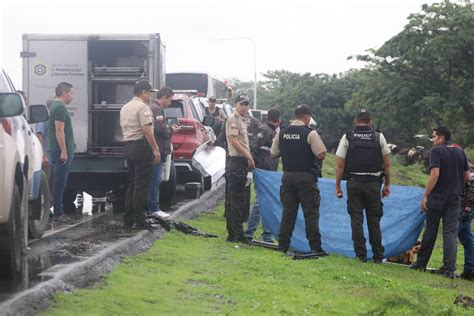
401,223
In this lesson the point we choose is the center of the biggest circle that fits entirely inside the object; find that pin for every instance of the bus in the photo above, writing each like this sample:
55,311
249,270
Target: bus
205,84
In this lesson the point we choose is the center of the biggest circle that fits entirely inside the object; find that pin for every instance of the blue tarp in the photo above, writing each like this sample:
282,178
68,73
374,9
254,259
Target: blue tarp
401,223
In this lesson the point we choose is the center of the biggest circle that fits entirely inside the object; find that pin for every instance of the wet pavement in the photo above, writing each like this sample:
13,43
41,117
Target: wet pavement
63,245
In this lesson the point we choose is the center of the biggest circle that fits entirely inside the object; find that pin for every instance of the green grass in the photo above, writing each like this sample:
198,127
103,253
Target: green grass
185,275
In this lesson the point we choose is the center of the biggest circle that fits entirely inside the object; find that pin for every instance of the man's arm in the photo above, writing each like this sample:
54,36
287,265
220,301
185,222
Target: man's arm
234,141
61,138
432,180
340,164
386,186
275,149
150,137
467,174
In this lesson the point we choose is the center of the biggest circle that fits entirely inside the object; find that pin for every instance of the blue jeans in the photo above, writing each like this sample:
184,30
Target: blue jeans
154,188
254,220
60,175
465,237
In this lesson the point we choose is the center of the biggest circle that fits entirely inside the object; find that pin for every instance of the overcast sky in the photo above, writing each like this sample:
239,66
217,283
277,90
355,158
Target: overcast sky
297,35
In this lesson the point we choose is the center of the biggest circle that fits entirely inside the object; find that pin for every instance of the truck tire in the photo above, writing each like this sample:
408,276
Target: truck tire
37,227
12,240
168,188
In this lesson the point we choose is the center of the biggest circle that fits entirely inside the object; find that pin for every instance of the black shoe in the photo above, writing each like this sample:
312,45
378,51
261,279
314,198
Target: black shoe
230,238
361,259
467,275
378,261
418,267
319,252
446,273
244,240
282,249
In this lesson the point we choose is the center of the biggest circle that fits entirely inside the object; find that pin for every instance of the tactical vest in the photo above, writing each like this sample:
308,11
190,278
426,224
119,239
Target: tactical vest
296,153
364,153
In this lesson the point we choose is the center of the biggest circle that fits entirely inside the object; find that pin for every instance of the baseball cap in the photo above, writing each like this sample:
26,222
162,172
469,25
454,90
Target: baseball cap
363,116
302,109
242,98
141,85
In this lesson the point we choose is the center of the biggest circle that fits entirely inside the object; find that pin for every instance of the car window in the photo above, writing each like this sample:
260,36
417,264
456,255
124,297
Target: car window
175,110
196,109
4,85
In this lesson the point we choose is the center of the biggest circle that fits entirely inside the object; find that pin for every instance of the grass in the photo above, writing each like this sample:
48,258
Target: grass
185,275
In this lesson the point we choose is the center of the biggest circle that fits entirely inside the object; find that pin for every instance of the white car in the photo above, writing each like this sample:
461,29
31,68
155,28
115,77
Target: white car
24,189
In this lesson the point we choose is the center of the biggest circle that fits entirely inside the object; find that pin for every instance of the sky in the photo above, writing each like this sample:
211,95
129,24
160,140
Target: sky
297,35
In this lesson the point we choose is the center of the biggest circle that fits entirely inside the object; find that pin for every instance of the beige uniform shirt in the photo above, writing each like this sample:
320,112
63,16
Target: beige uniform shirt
236,126
317,145
133,116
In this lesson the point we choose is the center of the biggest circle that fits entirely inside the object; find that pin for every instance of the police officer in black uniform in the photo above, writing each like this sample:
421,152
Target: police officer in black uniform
363,158
299,146
263,160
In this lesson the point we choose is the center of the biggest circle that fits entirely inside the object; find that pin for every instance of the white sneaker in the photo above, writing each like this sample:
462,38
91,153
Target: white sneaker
161,214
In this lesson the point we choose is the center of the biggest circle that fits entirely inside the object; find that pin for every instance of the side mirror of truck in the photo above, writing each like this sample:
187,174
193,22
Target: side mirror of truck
209,120
38,113
11,104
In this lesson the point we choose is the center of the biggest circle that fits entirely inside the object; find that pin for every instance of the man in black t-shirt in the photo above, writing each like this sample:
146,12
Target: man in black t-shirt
449,171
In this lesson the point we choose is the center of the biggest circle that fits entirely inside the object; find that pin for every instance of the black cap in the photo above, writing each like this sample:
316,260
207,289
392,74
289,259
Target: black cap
302,109
363,116
212,99
242,98
141,85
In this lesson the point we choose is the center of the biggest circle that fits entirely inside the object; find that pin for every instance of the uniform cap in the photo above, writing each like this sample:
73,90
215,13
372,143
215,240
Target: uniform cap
242,98
302,109
141,85
363,116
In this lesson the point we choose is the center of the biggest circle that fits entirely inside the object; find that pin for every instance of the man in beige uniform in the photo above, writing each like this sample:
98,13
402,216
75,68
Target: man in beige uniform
141,151
239,163
299,146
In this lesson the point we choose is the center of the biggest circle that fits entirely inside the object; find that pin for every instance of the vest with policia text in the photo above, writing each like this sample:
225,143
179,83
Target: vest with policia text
296,153
364,153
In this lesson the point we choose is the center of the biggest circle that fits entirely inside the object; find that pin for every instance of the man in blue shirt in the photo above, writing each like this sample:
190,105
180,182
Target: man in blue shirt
449,171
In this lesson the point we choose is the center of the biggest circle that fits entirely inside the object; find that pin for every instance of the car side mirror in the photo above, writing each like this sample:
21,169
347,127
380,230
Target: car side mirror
38,113
209,120
11,104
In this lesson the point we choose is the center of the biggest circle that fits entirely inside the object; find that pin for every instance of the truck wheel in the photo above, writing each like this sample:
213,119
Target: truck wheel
40,206
168,188
12,240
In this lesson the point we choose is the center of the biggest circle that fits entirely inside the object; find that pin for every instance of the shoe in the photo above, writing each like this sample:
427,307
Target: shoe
244,240
319,252
378,261
142,225
443,272
161,214
62,219
282,249
361,259
467,275
416,266
270,241
230,239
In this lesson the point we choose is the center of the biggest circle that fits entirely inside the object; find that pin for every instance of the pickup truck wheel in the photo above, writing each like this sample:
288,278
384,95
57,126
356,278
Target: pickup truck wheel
12,240
168,188
41,206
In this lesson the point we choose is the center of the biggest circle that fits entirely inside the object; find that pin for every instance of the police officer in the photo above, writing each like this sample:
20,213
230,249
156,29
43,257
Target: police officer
239,163
265,134
363,157
299,146
141,152
214,111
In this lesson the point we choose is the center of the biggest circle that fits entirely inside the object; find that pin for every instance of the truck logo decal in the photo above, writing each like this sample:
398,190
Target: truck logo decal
40,70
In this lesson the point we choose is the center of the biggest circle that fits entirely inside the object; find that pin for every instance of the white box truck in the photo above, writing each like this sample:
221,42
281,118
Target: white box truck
103,69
